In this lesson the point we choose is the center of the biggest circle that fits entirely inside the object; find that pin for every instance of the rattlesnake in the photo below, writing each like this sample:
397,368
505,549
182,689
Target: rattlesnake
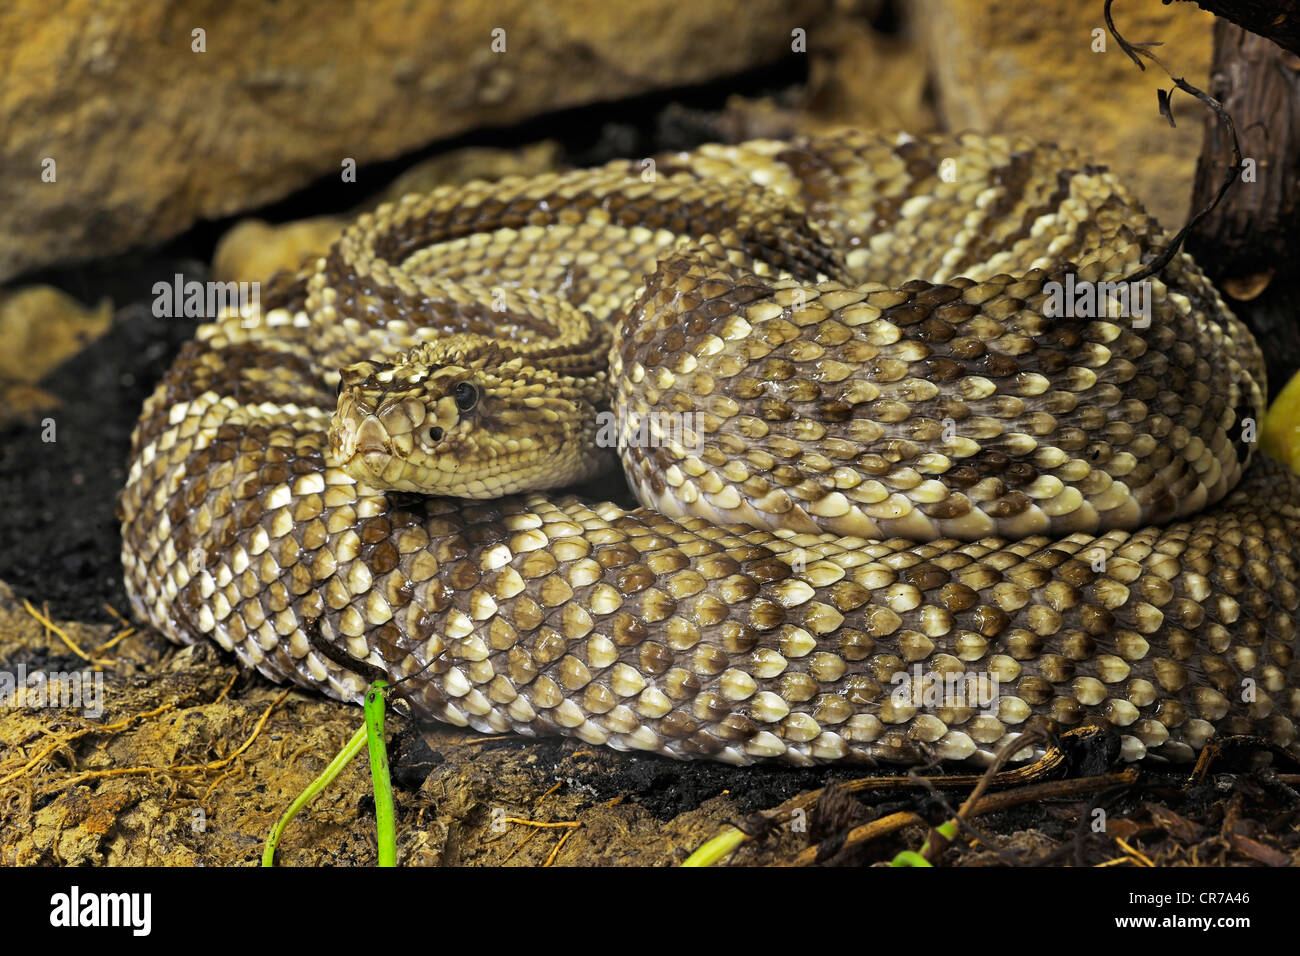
868,460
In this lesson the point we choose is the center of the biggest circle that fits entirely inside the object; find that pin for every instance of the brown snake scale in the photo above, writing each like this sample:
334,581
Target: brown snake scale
895,471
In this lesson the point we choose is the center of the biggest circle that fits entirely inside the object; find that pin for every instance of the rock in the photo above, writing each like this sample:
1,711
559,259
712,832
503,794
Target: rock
1019,67
40,327
125,123
868,79
253,250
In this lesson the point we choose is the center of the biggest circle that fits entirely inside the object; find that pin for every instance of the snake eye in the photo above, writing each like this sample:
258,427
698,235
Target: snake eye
466,396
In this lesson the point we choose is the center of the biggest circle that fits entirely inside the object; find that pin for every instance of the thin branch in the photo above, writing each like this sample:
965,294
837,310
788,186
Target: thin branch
1135,51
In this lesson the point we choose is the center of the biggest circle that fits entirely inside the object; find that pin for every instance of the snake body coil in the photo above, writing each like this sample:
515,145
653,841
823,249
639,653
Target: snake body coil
892,509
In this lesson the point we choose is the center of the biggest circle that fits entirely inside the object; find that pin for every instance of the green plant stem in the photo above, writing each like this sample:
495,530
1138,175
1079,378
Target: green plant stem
350,750
716,848
384,815
371,735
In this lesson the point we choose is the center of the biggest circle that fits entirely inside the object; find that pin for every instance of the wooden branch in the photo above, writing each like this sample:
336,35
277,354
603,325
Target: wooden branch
1277,20
1250,244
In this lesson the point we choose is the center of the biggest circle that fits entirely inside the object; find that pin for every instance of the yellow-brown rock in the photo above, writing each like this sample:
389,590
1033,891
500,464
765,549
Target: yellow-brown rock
150,116
40,326
1025,67
252,250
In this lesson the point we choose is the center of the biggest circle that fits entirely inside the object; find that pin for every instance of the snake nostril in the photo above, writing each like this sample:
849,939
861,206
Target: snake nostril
435,433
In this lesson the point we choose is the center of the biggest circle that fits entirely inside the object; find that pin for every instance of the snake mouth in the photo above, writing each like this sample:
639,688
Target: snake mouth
374,460
366,439
364,448
378,467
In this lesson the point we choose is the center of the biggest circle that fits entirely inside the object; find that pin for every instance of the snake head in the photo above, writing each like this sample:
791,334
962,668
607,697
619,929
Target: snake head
472,430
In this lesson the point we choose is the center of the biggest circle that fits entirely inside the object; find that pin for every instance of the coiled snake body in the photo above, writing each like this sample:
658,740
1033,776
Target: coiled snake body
871,464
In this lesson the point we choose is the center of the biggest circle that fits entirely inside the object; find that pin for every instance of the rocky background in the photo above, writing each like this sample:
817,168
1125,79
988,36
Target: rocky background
158,116
231,139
